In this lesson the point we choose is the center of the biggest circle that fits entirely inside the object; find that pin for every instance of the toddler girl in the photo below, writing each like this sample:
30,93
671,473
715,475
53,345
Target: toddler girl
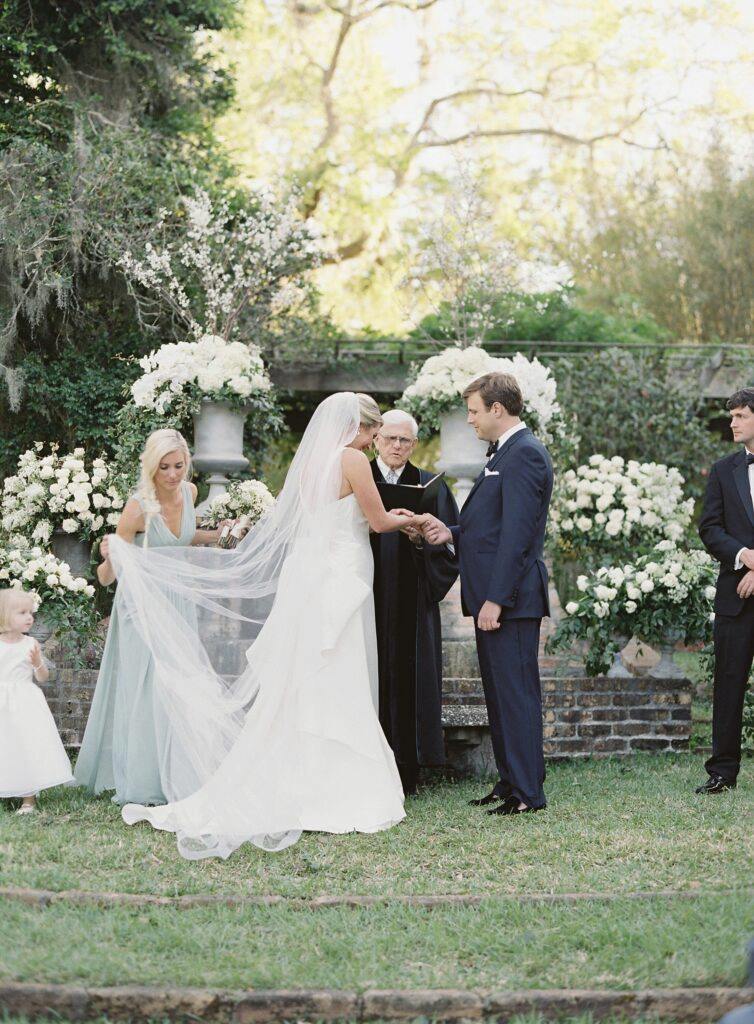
31,754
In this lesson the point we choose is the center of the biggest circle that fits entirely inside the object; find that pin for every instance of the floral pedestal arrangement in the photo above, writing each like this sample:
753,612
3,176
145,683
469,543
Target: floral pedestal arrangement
663,597
434,398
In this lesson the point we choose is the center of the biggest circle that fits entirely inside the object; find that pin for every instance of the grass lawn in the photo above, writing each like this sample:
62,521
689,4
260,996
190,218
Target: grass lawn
612,827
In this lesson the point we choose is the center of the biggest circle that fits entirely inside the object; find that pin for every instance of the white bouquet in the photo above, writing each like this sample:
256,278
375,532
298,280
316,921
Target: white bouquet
250,498
441,380
185,372
611,509
53,491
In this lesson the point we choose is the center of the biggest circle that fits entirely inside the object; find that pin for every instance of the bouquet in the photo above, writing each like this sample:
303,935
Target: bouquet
249,498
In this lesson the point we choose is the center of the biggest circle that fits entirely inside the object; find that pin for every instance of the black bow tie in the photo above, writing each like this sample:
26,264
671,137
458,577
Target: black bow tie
492,448
749,458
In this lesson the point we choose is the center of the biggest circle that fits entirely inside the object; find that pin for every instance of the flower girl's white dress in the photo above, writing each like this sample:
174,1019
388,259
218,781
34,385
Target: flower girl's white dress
31,754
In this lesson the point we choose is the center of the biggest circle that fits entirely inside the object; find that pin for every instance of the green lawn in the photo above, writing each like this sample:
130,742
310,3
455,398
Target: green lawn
613,827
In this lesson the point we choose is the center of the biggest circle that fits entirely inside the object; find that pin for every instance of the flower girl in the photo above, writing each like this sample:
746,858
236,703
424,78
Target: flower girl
31,754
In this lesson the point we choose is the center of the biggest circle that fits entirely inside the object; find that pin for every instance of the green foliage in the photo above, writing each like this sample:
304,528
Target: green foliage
558,315
683,257
639,406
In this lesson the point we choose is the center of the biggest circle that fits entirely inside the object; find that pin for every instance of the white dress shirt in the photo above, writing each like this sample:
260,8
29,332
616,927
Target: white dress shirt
391,476
738,564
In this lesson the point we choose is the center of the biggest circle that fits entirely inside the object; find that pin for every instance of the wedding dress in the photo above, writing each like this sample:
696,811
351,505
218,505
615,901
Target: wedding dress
293,742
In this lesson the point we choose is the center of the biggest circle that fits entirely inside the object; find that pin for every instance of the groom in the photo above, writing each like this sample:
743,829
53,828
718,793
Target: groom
500,543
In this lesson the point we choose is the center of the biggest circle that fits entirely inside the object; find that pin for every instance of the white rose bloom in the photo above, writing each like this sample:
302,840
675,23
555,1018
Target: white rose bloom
601,609
712,616
52,580
647,586
602,593
630,607
572,607
633,592
583,524
69,525
89,590
582,583
113,519
709,593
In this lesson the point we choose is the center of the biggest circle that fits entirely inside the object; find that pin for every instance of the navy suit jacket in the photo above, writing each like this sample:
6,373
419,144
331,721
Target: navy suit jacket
727,525
500,539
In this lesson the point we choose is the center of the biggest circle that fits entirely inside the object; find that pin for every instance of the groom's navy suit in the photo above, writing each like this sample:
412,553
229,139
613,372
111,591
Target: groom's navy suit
500,543
726,526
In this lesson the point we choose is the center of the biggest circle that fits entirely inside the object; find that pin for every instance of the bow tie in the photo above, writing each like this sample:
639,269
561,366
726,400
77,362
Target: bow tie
492,448
749,458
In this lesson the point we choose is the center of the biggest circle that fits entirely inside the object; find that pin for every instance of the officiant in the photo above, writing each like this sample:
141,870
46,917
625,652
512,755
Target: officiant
411,577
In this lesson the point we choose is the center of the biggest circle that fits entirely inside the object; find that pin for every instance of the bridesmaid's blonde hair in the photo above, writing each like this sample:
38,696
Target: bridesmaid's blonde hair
159,444
11,599
369,411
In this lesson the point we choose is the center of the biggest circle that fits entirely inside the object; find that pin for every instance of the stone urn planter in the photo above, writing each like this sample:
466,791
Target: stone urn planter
462,454
666,667
218,446
73,550
618,669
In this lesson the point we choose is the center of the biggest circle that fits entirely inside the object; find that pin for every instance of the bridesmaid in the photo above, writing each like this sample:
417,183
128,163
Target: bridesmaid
125,735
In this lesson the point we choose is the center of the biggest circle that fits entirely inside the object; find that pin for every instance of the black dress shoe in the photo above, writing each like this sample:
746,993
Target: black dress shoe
510,806
715,784
490,798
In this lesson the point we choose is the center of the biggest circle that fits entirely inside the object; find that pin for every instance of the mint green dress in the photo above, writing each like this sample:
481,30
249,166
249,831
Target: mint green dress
126,735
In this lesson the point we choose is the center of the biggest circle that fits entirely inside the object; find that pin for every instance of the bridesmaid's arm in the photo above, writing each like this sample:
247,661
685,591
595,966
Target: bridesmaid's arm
130,523
204,537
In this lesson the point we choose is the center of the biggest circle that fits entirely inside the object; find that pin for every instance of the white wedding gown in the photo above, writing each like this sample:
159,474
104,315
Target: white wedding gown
311,755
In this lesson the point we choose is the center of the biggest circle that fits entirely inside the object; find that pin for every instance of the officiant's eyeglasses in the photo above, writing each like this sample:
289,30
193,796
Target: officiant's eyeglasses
404,442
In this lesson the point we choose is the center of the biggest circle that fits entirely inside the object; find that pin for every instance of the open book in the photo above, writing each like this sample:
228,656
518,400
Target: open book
415,497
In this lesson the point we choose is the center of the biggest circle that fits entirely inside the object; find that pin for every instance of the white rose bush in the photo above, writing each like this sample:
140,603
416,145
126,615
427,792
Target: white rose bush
666,594
440,381
250,498
57,491
67,601
610,510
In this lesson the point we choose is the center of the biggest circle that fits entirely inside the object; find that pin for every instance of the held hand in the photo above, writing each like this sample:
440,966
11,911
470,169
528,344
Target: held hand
434,531
747,558
489,616
104,548
402,512
414,535
745,587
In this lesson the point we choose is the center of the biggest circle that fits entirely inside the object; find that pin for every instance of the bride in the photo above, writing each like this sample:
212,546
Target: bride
291,742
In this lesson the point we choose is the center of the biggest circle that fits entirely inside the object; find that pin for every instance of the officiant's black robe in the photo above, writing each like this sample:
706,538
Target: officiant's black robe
409,583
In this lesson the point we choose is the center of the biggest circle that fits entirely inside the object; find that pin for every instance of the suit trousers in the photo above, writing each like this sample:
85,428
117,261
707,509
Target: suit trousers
509,663
734,652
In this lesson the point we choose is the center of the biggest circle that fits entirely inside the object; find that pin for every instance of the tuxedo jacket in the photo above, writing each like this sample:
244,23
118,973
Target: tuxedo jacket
500,539
727,525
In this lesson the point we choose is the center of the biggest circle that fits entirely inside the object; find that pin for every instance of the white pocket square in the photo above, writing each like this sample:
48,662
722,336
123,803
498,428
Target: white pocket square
491,472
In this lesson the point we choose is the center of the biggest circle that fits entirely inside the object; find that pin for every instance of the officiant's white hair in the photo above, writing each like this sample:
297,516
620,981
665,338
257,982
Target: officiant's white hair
399,416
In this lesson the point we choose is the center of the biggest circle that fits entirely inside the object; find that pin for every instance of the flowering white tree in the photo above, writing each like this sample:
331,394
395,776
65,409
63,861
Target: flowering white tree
216,267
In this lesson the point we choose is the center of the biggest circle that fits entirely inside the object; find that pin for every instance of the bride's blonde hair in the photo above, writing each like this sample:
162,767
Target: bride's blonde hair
159,444
369,411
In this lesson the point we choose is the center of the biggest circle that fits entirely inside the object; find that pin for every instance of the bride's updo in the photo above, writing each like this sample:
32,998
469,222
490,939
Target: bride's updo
369,411
159,444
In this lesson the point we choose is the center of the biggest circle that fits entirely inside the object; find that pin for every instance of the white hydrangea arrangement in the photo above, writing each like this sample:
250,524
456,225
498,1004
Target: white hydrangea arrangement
441,380
66,601
614,509
178,376
667,593
56,491
250,498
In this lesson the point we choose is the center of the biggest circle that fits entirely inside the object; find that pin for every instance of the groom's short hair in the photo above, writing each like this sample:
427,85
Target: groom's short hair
744,397
498,387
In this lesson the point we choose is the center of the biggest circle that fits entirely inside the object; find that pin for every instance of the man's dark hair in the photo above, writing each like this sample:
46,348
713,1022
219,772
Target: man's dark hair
744,397
499,387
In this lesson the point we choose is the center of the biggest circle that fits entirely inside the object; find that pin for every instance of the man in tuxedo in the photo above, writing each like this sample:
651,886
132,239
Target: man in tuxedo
727,530
500,541
410,580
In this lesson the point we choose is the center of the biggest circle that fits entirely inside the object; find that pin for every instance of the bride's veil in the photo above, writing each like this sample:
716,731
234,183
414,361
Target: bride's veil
199,610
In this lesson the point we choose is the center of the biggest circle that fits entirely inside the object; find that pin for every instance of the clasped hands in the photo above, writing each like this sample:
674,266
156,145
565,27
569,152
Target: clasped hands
431,529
